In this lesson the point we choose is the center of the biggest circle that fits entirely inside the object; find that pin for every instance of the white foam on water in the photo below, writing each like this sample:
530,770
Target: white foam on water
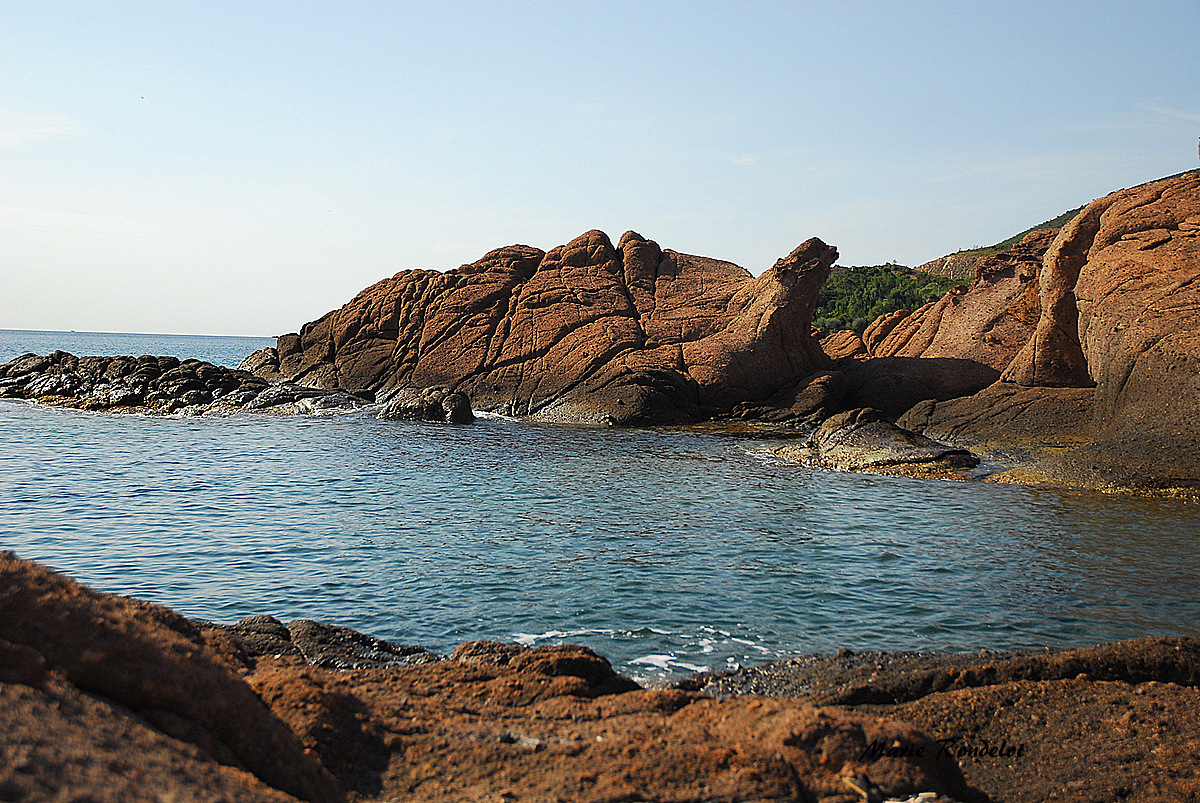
494,416
666,663
529,639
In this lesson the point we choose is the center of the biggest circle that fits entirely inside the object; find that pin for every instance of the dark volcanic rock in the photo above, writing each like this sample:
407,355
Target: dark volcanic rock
151,384
316,643
587,332
864,440
428,404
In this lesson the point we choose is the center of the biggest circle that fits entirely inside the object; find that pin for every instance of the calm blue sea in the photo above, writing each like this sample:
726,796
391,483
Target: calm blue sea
667,551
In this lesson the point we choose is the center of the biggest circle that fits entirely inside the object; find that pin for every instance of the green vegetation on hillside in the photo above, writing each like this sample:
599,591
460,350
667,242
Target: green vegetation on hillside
853,297
985,251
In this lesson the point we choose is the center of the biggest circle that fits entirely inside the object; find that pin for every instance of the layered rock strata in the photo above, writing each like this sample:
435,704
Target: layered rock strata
586,332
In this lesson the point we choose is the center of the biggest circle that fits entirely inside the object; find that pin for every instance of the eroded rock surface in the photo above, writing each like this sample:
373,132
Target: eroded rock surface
952,347
865,439
144,659
113,699
587,332
1019,723
428,404
1113,366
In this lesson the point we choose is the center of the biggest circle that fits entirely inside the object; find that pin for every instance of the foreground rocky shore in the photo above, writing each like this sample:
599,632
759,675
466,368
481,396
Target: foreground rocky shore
108,698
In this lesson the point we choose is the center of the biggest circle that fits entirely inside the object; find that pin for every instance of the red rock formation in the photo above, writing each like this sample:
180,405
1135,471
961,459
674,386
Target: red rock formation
987,322
586,332
148,659
1119,309
451,731
110,699
957,345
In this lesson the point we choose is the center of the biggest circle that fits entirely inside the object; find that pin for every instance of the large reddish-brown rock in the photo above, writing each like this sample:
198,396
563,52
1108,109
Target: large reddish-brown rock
106,698
1119,300
957,345
486,731
586,332
147,660
986,322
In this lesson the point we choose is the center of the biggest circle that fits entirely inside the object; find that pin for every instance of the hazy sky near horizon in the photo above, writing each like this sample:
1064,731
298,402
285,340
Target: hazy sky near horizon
242,168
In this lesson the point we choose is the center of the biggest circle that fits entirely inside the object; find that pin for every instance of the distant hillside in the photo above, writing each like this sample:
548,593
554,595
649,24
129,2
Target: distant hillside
853,297
961,264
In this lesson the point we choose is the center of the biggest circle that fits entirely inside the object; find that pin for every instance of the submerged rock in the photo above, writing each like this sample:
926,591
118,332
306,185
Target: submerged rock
865,440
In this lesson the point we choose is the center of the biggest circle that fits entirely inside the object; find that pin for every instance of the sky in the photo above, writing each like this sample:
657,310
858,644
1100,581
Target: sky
241,168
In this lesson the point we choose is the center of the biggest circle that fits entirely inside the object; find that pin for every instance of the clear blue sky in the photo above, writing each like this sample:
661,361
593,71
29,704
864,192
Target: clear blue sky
241,168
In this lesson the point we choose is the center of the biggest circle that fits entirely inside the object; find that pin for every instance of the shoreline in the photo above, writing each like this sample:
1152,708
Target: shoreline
371,720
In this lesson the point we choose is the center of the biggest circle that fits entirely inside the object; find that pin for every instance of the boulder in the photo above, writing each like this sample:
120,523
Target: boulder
428,404
844,344
586,333
148,660
158,385
1113,364
865,440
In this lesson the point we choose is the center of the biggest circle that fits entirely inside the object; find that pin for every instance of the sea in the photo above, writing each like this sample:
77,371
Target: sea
668,551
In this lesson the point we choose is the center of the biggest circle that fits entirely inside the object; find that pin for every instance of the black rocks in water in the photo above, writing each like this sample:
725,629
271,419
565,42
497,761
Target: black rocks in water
319,644
428,404
161,385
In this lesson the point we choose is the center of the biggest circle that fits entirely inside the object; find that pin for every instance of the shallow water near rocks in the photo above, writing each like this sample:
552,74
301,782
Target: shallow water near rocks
668,552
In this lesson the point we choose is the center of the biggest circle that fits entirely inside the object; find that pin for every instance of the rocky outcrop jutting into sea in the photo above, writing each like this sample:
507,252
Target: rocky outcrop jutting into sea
584,333
1106,390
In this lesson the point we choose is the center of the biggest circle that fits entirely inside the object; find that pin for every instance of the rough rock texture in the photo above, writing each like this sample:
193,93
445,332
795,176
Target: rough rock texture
148,660
964,340
150,384
57,743
428,404
481,731
865,440
855,678
584,333
1119,299
809,402
986,322
1114,722
107,698
316,643
843,345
